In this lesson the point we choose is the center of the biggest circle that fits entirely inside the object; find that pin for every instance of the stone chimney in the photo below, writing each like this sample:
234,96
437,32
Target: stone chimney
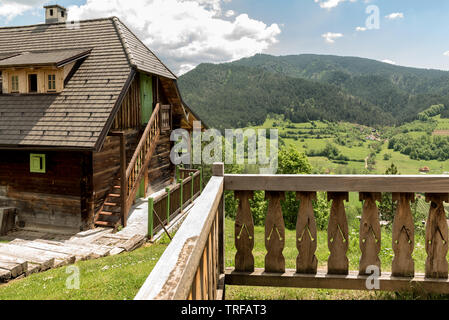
55,14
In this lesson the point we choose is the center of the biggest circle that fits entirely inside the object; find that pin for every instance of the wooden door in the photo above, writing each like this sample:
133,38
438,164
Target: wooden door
146,91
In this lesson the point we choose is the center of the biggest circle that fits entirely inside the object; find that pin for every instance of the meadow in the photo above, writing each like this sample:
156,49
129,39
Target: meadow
353,143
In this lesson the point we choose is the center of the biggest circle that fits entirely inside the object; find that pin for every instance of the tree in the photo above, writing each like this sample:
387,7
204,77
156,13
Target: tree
387,207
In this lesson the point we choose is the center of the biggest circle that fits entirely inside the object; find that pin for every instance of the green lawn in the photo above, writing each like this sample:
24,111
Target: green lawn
111,278
120,277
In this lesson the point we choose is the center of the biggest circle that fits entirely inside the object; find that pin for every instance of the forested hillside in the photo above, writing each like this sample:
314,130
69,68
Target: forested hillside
312,87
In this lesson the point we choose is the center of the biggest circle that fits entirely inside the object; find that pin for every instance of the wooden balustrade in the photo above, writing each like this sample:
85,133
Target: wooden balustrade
193,264
190,266
337,274
132,176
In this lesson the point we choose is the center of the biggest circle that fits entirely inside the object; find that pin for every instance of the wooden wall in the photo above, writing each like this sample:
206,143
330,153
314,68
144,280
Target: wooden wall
53,198
106,165
129,115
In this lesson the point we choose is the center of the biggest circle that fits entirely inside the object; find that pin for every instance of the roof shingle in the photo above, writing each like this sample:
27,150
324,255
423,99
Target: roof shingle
77,117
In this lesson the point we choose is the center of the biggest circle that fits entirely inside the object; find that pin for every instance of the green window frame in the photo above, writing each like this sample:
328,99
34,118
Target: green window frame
37,163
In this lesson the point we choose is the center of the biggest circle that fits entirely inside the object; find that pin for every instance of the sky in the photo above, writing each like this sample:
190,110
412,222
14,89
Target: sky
185,33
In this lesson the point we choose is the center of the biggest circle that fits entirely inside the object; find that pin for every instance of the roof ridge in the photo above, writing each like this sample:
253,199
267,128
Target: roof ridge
56,23
118,25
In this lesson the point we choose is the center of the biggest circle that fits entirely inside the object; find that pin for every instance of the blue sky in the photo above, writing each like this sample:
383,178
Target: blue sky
224,30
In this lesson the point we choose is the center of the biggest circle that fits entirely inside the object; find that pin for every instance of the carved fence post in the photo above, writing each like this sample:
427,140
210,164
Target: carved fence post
306,235
274,233
437,237
403,236
244,233
370,233
338,234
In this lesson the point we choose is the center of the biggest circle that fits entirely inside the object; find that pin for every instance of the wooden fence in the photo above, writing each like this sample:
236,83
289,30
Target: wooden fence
184,265
191,266
170,203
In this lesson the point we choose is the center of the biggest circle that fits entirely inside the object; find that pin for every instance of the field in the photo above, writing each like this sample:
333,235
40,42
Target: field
353,143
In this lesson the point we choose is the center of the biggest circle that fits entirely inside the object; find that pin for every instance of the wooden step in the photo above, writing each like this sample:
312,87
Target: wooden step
114,195
105,224
111,204
107,213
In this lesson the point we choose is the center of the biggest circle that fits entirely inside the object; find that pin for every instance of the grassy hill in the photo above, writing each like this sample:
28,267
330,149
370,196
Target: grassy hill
312,87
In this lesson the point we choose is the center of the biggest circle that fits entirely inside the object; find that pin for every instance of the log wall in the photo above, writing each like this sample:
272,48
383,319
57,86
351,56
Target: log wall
52,198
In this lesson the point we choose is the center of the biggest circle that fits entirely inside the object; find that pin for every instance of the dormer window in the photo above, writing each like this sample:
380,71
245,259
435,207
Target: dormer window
32,83
51,12
51,85
14,83
39,72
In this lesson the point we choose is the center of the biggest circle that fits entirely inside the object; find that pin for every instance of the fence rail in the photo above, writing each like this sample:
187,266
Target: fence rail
185,264
168,204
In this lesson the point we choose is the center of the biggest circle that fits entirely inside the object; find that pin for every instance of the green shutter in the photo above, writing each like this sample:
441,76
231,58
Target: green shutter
37,163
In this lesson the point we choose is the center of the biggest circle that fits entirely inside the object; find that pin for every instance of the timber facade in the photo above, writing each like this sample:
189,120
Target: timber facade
86,114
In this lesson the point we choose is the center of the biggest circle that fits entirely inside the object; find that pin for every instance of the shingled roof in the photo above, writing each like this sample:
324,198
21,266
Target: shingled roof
78,117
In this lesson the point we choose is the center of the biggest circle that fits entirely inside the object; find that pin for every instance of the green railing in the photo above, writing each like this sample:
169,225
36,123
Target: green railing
167,205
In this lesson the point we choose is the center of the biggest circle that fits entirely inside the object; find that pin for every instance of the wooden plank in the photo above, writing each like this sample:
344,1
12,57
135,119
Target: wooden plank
81,250
338,234
60,259
27,267
15,269
29,255
66,250
274,233
370,232
5,275
437,237
403,236
244,233
338,183
322,280
306,234
132,243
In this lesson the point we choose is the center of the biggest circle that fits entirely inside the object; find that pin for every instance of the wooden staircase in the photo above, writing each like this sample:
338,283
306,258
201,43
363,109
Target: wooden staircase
109,215
118,202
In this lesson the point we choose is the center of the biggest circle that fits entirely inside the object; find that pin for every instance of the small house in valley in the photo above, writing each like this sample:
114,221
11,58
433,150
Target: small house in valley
86,112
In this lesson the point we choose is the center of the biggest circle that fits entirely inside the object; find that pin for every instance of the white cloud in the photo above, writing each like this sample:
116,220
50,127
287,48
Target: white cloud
446,53
9,9
184,33
360,29
389,61
329,4
230,13
394,16
330,37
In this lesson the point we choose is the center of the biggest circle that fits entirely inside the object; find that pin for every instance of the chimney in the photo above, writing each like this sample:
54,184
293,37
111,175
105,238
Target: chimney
55,14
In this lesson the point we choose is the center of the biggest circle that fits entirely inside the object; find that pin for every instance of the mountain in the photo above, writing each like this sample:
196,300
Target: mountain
312,87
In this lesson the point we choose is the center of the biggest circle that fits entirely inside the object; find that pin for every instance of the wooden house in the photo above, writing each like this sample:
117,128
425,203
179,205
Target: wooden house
86,112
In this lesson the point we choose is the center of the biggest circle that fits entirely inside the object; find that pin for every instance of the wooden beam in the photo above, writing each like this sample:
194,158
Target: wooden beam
340,183
322,280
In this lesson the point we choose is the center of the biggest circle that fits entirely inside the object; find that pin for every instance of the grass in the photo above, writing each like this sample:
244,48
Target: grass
111,278
120,277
